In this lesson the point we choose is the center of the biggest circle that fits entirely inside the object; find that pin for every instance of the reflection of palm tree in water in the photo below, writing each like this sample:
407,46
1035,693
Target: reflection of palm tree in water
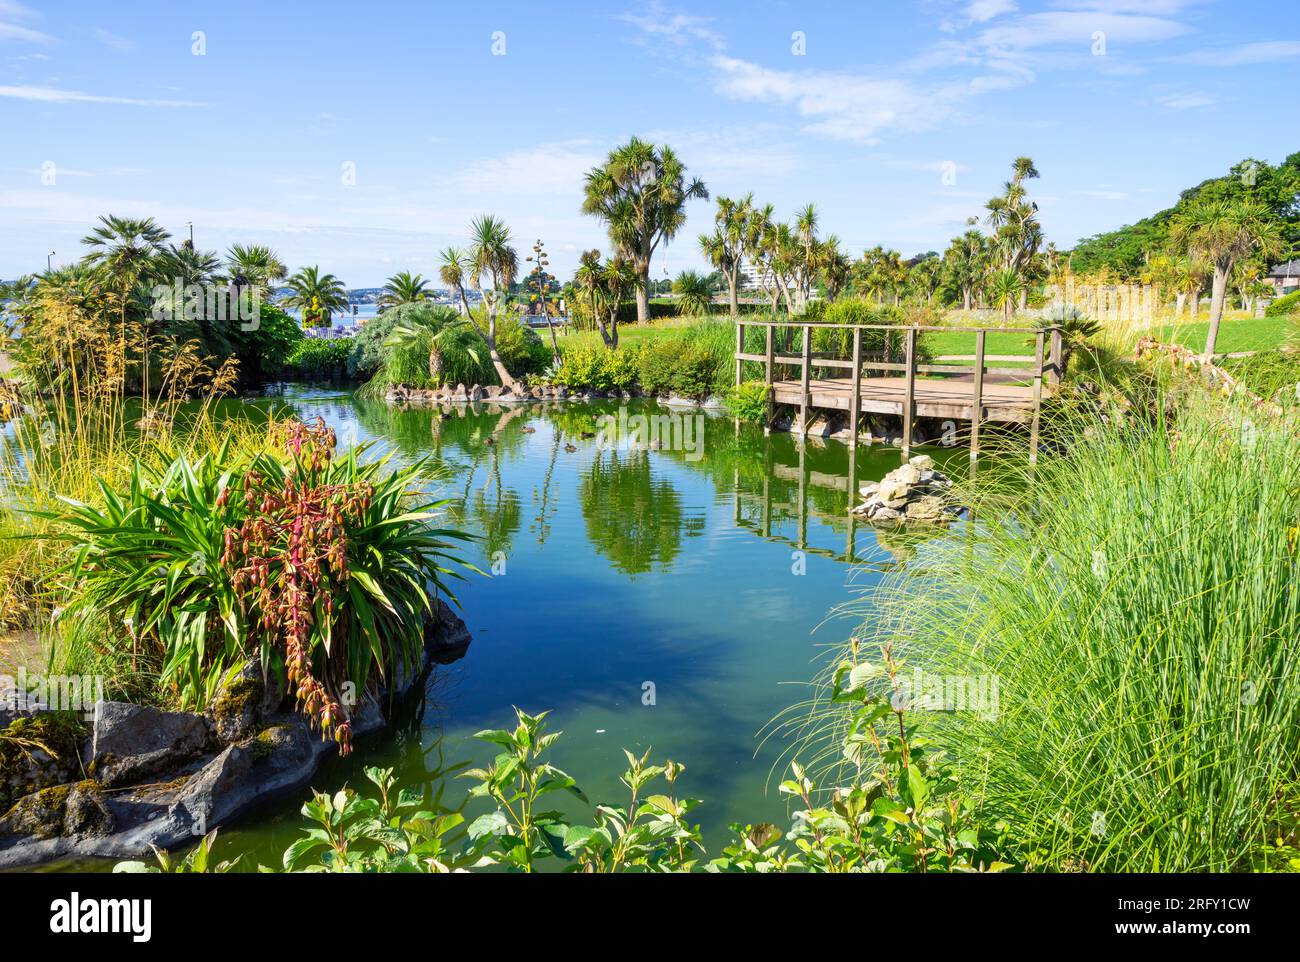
543,498
633,518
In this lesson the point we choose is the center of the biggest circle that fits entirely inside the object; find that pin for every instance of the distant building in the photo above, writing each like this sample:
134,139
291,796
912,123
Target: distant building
1284,278
752,278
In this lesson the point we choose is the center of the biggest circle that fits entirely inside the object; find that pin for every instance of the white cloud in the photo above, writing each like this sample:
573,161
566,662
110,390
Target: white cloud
679,29
1077,27
51,95
1186,101
546,169
11,31
1265,51
113,40
844,106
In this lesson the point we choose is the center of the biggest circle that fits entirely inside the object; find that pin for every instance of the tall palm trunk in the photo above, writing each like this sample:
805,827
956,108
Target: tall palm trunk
1218,295
642,292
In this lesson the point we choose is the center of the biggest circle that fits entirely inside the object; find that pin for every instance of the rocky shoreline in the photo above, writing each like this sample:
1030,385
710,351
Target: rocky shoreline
460,394
146,777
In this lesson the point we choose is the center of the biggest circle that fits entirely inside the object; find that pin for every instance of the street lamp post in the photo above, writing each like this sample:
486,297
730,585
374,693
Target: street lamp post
190,225
48,266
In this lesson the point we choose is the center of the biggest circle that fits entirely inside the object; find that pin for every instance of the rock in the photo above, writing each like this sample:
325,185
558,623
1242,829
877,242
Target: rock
237,710
867,490
78,808
922,462
715,402
929,509
215,788
882,513
133,741
446,637
908,475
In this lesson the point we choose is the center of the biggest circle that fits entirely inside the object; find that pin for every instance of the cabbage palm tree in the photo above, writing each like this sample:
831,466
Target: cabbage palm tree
255,266
1005,288
453,269
640,192
128,248
1226,232
404,288
491,256
317,296
735,234
693,293
439,324
965,265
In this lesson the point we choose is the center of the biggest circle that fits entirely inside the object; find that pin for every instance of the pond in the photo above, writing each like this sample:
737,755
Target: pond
673,597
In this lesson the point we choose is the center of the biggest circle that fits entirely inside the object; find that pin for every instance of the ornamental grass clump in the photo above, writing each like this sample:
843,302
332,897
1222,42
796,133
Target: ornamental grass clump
1137,602
319,569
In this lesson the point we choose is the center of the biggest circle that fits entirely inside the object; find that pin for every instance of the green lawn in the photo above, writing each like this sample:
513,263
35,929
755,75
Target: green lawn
1235,334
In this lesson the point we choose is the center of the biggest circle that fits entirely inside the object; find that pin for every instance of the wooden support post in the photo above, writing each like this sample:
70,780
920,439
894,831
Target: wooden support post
909,400
855,402
1057,356
803,495
771,391
804,396
1038,397
977,400
740,348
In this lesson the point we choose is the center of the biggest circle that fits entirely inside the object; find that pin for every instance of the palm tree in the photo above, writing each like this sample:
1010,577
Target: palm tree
1005,288
440,324
492,256
404,288
738,228
128,248
693,293
640,193
965,264
255,266
836,266
317,296
453,268
1017,235
1225,232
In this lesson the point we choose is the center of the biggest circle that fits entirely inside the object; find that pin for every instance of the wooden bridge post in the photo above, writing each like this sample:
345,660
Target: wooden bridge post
804,397
855,402
771,391
909,401
740,349
1057,356
1038,397
977,401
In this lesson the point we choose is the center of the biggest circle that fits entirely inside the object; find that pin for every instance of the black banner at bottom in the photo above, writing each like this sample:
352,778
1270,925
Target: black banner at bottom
145,912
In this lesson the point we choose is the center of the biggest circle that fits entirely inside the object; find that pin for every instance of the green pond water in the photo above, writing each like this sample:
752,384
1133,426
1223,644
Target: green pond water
672,566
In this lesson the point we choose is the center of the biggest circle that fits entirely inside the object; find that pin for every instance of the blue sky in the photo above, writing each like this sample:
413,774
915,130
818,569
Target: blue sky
897,119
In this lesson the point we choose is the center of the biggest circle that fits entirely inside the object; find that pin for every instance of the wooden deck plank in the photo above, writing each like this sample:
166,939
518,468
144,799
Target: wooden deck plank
933,399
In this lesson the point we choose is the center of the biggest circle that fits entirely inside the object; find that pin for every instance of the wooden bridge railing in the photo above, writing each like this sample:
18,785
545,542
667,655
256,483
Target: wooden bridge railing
1046,366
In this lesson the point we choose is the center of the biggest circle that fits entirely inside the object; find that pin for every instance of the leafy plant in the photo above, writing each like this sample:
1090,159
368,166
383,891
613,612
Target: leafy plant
319,568
397,832
749,401
198,861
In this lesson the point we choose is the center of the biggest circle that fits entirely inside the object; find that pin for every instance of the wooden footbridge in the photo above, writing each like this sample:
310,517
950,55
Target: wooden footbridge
896,381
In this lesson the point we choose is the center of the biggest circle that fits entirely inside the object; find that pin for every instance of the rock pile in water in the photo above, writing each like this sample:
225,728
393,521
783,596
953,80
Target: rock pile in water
913,492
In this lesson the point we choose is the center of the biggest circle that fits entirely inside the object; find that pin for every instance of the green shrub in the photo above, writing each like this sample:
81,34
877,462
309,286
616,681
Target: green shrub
899,794
319,357
266,350
598,369
1287,304
749,401
523,350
